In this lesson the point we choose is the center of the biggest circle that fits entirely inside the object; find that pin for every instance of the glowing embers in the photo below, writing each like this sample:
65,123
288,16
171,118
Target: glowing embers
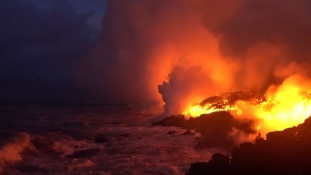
197,109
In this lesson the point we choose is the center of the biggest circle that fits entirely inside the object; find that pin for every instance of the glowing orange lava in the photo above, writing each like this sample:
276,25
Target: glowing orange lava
197,109
286,105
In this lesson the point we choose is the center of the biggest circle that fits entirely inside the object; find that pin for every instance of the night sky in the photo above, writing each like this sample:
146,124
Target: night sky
42,44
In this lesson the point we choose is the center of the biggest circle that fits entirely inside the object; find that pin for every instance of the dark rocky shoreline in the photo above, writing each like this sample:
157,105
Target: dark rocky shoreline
283,152
214,127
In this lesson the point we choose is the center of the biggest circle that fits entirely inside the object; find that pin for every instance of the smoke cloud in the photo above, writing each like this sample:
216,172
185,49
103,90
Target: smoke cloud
177,52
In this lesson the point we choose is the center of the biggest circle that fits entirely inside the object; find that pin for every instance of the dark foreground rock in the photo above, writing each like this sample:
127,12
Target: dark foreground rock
85,153
217,165
214,127
171,132
284,152
188,132
101,139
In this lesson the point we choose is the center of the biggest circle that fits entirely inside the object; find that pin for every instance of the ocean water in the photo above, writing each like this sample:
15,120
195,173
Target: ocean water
61,140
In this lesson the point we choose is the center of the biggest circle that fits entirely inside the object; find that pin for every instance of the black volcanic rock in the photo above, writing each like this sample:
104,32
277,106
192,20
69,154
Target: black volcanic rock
199,168
173,120
217,165
101,139
284,152
214,127
188,132
171,132
231,98
84,153
27,168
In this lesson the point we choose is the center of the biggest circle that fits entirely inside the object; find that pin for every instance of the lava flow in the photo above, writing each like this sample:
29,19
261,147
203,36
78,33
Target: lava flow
279,107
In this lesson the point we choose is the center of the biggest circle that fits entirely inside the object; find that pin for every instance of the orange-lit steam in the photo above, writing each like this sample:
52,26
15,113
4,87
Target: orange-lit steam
179,52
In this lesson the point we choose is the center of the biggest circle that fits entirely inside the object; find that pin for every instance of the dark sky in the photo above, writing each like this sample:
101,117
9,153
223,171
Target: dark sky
41,45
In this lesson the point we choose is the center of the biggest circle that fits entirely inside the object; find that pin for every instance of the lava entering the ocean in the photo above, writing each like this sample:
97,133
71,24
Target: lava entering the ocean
279,107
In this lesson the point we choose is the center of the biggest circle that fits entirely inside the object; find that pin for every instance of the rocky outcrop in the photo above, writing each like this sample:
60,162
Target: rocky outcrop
188,132
217,165
284,152
101,139
214,127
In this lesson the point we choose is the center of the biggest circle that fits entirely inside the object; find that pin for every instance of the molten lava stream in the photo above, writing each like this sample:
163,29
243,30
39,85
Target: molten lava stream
287,105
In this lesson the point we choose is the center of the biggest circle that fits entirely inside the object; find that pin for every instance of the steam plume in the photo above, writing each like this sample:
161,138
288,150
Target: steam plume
198,48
